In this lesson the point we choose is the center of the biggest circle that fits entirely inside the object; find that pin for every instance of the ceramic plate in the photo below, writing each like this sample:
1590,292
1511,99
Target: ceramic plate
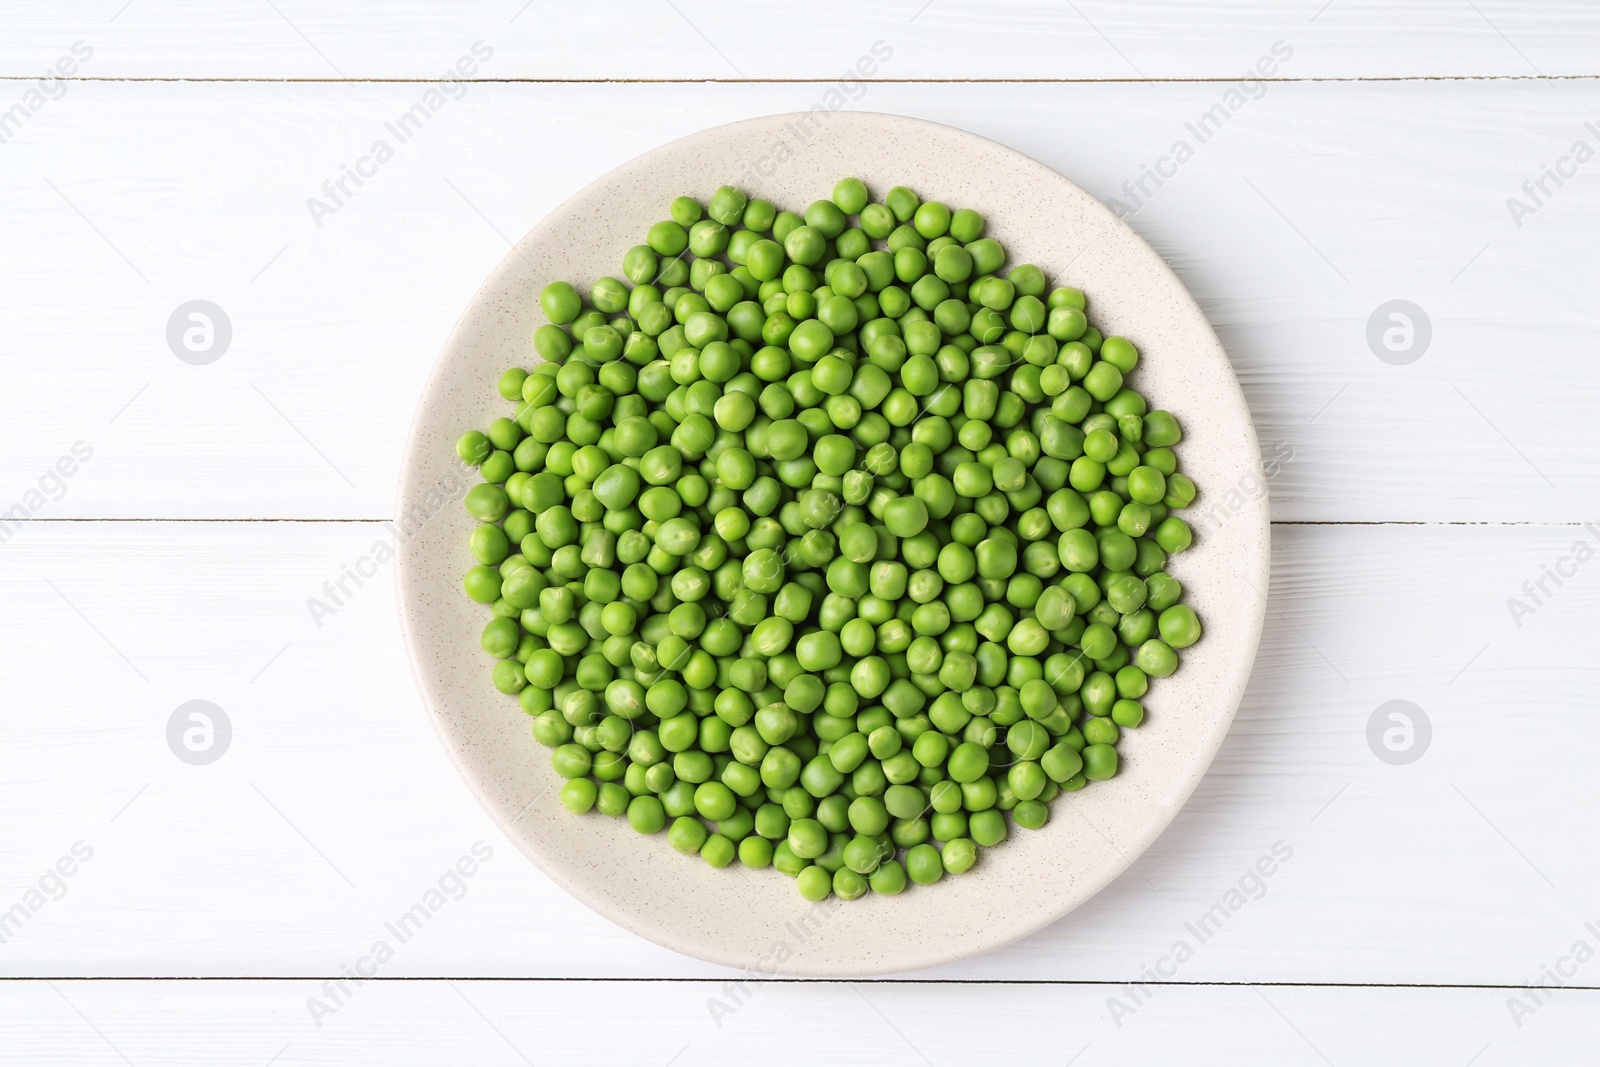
755,920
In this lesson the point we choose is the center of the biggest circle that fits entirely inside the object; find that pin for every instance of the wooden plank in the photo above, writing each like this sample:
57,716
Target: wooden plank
404,1023
1292,225
717,39
333,810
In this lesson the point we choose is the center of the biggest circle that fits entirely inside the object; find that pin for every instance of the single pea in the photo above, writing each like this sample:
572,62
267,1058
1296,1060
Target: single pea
1180,489
755,852
848,752
646,815
868,815
924,865
1102,381
987,827
487,503
578,795
1180,626
560,302
1099,762
1030,814
1061,762
848,884
1127,713
1161,429
968,762
1028,740
861,855
509,677
815,883
686,835
932,219
473,447
959,855
807,838
906,516
1132,682
1101,730
905,801
889,879
850,194
885,742
902,202
1146,485
1173,534
1120,353
571,761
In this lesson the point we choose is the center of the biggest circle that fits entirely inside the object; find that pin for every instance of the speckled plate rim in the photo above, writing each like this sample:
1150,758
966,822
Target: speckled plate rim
754,920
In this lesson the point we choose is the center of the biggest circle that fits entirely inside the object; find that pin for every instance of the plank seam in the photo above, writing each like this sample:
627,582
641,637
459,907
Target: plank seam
1568,524
1208,80
551,980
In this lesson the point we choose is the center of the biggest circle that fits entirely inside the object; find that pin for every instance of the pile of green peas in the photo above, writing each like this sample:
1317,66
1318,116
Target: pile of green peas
821,544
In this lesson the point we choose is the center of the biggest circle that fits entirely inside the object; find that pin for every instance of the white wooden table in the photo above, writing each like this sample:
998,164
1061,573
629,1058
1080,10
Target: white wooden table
1417,499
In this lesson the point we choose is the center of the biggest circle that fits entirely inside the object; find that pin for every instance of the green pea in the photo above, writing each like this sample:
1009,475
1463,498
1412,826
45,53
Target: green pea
815,883
1127,713
924,865
959,855
1100,731
560,302
578,795
820,778
868,815
1061,762
889,879
885,742
1027,739
646,815
968,762
1030,814
1173,534
1102,381
687,835
473,447
571,761
1120,353
1132,682
487,503
807,838
1161,429
1099,762
755,852
1179,626
1146,485
906,516
848,752
904,801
